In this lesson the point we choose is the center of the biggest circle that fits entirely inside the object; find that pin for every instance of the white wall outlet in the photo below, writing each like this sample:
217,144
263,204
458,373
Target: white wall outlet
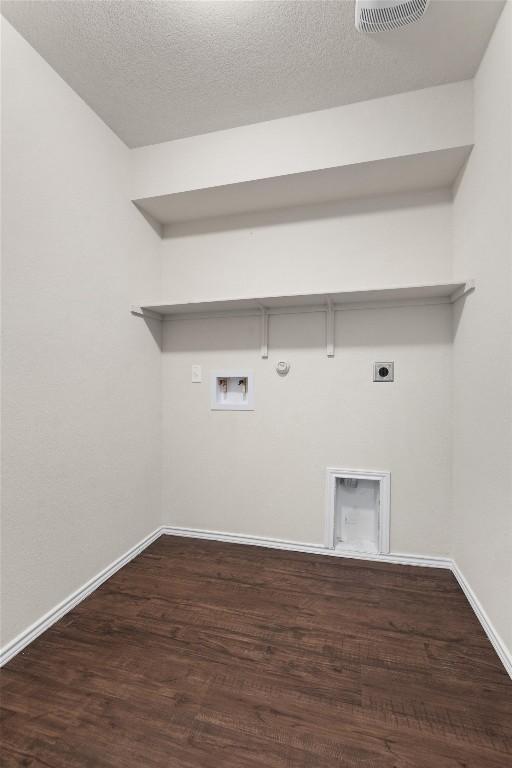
197,374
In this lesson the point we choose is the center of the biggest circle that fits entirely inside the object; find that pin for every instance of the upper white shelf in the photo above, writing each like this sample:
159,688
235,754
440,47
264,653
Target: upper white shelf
438,293
408,173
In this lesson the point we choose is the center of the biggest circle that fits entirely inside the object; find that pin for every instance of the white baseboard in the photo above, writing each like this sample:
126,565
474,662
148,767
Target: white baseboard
42,624
488,627
299,546
26,637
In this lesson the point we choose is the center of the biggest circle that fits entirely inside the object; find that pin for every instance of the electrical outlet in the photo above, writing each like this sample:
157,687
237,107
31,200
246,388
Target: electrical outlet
384,371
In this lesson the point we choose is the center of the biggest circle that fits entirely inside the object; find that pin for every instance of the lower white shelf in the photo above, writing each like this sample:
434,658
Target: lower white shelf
327,301
317,301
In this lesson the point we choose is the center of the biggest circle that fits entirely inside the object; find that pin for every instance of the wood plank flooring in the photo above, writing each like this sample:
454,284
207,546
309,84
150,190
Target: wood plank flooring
209,655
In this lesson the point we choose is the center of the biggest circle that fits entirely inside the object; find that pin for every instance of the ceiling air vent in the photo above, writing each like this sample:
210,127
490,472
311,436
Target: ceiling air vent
381,15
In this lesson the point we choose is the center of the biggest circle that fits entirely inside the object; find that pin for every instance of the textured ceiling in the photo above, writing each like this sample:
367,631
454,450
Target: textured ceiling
161,70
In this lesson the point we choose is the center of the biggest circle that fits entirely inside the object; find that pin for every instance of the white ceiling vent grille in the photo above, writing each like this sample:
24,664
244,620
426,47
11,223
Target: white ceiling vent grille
382,15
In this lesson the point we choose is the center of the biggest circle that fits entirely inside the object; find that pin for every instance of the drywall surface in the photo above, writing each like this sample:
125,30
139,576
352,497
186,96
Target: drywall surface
218,467
396,240
263,472
482,522
408,123
81,377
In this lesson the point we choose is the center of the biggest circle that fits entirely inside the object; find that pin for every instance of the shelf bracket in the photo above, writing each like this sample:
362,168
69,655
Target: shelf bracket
329,328
264,331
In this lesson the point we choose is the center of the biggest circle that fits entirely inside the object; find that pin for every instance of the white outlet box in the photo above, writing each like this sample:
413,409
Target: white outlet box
232,390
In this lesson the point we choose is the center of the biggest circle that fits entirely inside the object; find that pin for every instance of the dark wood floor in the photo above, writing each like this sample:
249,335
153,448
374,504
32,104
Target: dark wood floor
206,655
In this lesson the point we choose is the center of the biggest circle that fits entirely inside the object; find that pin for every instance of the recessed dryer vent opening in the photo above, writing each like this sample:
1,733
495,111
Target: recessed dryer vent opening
357,514
358,511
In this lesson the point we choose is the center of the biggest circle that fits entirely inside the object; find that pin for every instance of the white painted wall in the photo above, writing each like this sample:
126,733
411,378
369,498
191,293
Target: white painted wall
288,442
263,473
482,458
81,377
405,124
366,243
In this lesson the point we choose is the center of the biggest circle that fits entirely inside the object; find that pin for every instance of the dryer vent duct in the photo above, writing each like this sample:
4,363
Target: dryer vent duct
382,15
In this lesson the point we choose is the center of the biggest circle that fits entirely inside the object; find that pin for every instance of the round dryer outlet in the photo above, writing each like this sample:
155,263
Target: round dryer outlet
383,371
